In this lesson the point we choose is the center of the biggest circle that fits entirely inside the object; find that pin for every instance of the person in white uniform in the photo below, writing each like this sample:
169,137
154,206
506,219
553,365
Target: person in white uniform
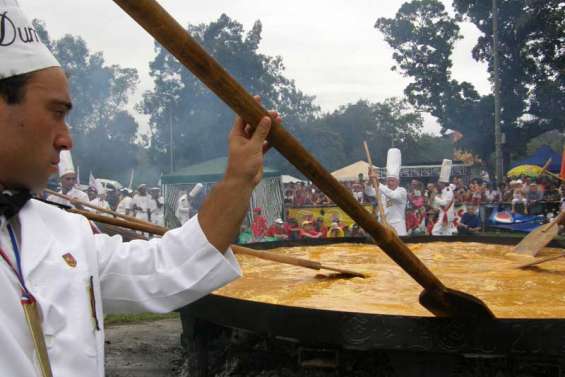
142,203
53,267
394,197
125,206
68,177
444,201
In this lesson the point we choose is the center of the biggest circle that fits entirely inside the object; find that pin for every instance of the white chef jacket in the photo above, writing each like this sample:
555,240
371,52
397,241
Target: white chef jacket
395,208
73,193
125,205
442,201
98,202
184,210
146,203
156,276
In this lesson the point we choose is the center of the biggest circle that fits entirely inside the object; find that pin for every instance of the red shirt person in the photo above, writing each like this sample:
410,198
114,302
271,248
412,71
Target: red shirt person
308,230
279,230
260,226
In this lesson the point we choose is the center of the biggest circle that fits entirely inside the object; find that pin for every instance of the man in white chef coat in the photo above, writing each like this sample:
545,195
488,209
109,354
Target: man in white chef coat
444,201
52,258
394,197
68,177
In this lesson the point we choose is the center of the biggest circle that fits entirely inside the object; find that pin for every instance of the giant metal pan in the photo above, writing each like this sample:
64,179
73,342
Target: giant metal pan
363,331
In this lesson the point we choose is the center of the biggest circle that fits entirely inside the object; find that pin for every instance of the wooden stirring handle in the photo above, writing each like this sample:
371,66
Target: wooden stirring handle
159,230
375,183
170,34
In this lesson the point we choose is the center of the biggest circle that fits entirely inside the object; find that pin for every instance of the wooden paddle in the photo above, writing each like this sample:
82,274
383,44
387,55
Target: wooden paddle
375,183
541,236
541,260
436,297
88,205
159,230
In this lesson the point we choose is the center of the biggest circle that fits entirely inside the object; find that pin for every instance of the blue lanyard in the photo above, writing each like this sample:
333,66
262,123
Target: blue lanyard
18,269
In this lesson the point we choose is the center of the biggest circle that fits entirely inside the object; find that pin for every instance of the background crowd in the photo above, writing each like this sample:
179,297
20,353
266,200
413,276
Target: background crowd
473,202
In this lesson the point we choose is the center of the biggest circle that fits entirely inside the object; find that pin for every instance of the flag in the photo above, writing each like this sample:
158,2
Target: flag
91,181
131,178
562,172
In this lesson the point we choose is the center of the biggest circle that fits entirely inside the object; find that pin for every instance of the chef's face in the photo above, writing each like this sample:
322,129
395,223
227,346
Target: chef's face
68,181
392,183
34,131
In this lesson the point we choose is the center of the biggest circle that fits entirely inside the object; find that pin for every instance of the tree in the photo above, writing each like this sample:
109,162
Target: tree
200,121
336,138
531,32
104,133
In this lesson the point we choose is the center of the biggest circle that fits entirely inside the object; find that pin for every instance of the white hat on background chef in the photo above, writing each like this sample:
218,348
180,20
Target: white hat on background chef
21,50
66,165
195,190
445,171
393,163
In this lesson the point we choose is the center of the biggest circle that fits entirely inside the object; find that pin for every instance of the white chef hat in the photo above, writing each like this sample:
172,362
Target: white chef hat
66,165
196,190
21,50
445,172
393,163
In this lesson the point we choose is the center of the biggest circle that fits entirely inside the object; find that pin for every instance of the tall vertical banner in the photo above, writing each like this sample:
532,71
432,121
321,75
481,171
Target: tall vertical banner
562,172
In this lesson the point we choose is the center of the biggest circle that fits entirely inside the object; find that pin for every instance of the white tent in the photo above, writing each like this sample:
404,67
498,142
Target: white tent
290,179
351,172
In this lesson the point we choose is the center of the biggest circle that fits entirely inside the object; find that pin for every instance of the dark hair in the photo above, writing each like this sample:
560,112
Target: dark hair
12,89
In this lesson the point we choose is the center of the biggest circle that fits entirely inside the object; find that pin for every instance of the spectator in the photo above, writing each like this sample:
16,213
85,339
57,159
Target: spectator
308,230
412,220
245,235
533,197
335,231
293,228
357,231
279,230
320,226
518,195
470,222
260,226
492,194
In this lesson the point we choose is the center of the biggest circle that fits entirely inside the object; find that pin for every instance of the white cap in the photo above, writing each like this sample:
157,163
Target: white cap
445,172
195,190
279,221
393,163
66,165
21,50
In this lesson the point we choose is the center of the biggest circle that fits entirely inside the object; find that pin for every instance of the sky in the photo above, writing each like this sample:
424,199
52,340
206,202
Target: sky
330,47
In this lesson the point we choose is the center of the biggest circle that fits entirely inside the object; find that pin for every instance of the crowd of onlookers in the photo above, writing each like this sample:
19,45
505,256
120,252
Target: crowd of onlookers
543,195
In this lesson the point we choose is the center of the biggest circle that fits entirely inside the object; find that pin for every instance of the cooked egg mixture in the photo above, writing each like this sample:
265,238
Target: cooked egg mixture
486,271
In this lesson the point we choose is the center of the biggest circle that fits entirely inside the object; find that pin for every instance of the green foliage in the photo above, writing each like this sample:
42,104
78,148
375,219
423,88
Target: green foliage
104,133
200,121
532,66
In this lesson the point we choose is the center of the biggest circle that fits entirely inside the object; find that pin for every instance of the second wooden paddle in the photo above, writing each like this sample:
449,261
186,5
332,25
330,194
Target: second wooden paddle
375,183
541,236
436,297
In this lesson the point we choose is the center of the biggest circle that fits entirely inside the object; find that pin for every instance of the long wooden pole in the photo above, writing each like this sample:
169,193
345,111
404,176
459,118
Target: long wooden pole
375,183
436,297
159,230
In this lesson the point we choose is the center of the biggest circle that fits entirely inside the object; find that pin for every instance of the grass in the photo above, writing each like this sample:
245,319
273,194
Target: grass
122,319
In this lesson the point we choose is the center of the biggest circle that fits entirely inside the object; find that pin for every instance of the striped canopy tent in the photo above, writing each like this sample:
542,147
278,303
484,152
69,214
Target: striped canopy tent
267,195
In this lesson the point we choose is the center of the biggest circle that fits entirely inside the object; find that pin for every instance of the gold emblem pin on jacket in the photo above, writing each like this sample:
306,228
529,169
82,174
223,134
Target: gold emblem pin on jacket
70,260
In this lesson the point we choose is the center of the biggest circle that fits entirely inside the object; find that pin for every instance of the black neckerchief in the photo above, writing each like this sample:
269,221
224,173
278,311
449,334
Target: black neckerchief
12,201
